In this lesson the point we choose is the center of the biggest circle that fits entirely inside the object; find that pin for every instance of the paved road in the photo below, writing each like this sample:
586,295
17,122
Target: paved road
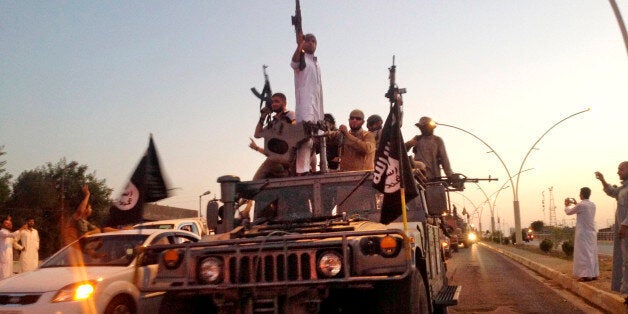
492,283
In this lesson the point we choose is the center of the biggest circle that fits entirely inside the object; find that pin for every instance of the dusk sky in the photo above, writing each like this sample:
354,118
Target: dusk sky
89,81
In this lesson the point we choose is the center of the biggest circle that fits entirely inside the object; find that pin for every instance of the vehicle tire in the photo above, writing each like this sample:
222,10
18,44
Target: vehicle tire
173,303
121,304
407,296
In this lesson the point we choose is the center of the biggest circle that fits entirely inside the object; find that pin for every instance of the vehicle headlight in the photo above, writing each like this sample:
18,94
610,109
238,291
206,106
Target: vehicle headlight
329,264
210,270
472,236
445,244
76,291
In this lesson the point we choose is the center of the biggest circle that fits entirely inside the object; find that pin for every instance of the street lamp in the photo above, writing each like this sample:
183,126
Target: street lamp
199,201
620,21
515,187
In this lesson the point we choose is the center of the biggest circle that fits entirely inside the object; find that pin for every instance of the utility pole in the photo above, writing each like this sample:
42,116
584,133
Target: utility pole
552,208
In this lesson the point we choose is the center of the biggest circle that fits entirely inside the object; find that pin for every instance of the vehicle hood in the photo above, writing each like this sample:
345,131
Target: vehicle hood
54,278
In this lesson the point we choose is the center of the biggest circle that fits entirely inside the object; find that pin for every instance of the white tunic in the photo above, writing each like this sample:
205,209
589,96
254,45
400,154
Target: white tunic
6,252
585,258
309,104
308,90
29,257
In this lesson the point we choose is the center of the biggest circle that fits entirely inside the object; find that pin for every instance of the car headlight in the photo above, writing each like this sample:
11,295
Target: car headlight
445,244
76,291
329,264
472,236
210,270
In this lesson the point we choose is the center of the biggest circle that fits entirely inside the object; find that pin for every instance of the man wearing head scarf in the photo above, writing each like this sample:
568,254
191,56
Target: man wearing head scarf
358,145
374,125
430,150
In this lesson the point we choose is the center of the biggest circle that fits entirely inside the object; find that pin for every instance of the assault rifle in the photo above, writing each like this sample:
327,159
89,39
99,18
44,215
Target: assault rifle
457,180
298,29
265,103
394,92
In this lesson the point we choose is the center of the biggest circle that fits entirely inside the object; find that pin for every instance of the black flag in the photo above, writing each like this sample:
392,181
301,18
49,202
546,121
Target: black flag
146,185
391,167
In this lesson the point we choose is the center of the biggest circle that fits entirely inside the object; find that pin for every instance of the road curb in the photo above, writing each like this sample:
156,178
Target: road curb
605,300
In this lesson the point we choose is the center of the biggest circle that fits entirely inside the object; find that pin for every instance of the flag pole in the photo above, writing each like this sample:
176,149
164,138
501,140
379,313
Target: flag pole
402,187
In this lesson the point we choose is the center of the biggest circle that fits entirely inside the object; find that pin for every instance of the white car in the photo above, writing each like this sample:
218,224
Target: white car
194,225
95,274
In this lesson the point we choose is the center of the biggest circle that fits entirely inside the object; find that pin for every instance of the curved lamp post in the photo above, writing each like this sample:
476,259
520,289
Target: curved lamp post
515,187
620,21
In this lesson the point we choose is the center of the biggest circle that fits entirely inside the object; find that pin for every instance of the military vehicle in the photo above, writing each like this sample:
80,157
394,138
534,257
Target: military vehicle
313,243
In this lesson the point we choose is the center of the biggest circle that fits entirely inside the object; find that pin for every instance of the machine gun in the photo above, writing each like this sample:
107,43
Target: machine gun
265,103
457,180
298,29
394,92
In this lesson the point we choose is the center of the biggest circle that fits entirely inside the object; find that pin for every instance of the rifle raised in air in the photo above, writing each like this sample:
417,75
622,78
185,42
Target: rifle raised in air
265,96
394,92
298,29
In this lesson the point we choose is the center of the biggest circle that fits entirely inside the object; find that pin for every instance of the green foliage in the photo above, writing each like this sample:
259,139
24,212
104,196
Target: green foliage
5,180
505,241
568,247
537,225
51,193
546,245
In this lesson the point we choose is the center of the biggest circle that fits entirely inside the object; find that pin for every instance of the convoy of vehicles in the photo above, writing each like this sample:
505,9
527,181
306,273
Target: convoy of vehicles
95,274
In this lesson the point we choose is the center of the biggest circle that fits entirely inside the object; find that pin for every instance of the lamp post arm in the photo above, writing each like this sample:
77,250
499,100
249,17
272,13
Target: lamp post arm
489,147
534,145
620,21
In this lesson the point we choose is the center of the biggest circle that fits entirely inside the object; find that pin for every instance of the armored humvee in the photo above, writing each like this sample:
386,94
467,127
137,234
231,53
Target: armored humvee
314,245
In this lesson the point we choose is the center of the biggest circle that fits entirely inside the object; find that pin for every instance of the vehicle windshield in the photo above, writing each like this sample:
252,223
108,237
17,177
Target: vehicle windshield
102,250
350,193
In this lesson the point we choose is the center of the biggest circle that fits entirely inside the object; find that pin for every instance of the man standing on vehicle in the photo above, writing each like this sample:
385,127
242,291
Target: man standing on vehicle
272,168
619,280
358,145
430,150
309,94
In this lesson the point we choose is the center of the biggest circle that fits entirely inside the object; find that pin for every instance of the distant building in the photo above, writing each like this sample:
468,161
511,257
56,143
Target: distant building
154,212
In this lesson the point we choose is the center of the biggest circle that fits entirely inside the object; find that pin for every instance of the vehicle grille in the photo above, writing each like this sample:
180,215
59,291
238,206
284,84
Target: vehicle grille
271,267
21,299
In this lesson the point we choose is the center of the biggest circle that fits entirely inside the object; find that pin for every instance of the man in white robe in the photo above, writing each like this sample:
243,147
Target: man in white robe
29,247
585,259
309,94
6,247
619,280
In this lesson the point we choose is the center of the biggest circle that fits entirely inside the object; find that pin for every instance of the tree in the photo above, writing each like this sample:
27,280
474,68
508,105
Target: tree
5,180
40,192
537,225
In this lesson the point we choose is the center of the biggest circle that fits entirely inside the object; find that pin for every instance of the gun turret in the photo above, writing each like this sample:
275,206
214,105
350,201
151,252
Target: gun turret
457,180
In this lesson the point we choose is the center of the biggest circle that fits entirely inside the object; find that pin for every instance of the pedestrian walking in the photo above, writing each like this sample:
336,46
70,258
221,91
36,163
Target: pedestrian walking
619,280
585,259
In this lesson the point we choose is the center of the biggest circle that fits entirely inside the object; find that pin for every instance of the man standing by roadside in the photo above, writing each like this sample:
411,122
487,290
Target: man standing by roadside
6,247
29,255
309,94
585,259
619,280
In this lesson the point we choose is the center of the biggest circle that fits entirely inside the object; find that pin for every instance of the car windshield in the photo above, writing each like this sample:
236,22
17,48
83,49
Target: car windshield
156,226
102,250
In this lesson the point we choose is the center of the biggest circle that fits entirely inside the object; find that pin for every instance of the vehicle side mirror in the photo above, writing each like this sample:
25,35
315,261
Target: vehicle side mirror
436,199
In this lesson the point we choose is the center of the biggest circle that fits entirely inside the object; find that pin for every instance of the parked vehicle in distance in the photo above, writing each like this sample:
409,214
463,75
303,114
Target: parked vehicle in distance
196,225
94,274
